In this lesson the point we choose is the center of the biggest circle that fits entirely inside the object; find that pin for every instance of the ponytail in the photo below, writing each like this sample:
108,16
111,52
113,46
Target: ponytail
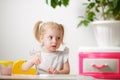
37,30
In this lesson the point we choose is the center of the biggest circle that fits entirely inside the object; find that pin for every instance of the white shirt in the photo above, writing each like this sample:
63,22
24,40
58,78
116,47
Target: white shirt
52,60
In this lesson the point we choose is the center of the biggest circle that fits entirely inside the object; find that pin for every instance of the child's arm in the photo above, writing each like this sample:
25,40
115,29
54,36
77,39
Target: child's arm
33,60
64,70
66,67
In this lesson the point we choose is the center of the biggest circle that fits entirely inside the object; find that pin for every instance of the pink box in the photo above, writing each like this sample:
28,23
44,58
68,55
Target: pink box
105,65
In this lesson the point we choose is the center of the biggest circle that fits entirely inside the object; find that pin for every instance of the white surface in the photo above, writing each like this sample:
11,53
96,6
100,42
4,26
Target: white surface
99,49
48,77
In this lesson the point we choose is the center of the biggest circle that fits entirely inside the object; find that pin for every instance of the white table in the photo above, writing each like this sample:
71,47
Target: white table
46,77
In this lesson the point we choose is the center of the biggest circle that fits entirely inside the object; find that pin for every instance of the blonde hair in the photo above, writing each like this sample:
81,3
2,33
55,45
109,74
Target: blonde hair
40,28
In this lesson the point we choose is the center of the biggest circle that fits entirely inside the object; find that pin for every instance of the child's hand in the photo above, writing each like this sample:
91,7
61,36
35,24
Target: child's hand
52,71
35,59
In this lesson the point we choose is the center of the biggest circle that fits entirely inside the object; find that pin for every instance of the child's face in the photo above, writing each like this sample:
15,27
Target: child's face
52,40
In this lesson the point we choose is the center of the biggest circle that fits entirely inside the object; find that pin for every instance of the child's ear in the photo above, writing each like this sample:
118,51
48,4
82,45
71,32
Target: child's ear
41,39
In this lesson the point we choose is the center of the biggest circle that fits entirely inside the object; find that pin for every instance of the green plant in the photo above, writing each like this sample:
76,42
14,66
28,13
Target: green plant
55,3
108,9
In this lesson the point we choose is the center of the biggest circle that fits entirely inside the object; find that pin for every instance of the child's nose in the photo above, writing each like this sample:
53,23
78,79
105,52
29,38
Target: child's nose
54,40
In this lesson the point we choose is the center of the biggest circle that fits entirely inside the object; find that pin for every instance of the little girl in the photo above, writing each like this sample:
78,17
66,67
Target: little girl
49,59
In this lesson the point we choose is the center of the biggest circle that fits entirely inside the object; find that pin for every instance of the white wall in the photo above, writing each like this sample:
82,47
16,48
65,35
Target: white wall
17,18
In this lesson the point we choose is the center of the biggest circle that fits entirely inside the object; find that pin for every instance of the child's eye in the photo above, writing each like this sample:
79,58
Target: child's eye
58,38
50,37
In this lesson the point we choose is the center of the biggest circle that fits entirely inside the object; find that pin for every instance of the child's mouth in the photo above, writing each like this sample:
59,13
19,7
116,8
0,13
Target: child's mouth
54,46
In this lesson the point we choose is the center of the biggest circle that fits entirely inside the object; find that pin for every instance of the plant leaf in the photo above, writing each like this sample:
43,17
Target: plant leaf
97,1
91,5
83,22
65,2
97,8
59,3
46,1
91,16
54,3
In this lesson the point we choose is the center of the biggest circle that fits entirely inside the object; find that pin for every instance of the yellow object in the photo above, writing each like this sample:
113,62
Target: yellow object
17,68
6,63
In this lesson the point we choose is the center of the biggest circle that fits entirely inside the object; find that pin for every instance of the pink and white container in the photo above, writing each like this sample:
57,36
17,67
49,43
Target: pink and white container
103,63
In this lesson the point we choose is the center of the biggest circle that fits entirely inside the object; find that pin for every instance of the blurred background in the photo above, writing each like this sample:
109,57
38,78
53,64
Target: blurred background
17,19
